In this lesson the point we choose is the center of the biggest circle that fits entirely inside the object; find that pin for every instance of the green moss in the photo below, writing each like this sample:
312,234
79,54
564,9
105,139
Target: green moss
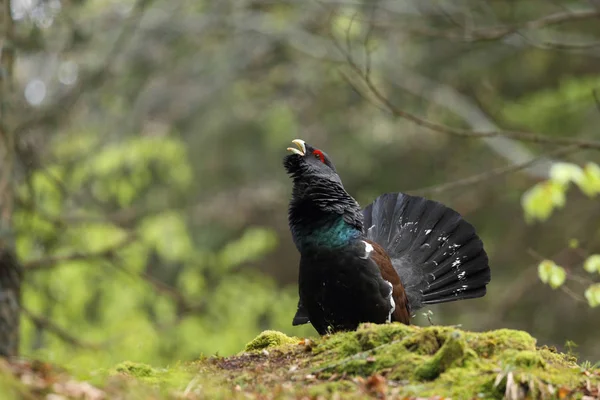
422,342
394,360
366,337
451,353
163,379
370,336
524,358
270,339
488,343
342,344
444,361
137,370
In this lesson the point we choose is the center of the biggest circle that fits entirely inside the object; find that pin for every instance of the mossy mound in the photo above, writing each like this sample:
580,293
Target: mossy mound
137,370
406,361
385,361
270,339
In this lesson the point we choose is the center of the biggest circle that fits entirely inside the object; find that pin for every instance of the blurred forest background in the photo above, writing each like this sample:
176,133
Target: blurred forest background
143,199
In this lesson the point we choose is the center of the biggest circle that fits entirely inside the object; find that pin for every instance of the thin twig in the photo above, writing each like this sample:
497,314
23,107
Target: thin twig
348,29
366,41
554,45
51,261
491,174
185,305
580,279
458,132
61,333
500,32
572,294
61,109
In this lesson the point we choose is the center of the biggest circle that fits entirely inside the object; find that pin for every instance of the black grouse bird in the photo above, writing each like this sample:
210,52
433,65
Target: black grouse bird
379,264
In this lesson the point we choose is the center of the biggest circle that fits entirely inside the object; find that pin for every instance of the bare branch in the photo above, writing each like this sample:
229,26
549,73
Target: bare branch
500,32
61,109
458,132
555,45
184,304
572,294
494,173
50,262
50,326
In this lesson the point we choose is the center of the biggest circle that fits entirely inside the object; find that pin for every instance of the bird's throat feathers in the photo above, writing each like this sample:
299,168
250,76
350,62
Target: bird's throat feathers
323,215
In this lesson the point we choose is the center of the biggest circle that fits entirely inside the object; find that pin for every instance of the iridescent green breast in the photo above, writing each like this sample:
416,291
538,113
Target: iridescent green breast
330,234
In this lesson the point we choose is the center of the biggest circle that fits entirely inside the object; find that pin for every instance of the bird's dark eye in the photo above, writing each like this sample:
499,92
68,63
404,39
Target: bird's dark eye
319,155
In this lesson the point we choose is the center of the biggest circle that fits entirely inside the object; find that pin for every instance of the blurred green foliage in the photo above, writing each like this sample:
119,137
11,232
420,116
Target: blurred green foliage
112,302
543,198
555,110
158,201
540,200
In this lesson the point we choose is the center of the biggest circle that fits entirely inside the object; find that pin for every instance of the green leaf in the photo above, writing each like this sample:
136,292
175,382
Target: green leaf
541,199
558,277
551,274
563,173
592,294
544,270
590,183
592,264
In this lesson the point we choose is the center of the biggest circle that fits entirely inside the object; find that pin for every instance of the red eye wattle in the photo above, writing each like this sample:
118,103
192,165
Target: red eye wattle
319,155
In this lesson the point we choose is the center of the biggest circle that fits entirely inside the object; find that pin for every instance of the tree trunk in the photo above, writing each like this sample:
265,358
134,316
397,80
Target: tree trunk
10,270
10,300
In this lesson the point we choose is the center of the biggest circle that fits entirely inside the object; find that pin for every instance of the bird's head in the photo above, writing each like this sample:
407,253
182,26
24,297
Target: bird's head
307,163
319,197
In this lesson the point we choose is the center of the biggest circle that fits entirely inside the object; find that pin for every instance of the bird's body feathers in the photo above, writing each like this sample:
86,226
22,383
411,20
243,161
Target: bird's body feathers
379,264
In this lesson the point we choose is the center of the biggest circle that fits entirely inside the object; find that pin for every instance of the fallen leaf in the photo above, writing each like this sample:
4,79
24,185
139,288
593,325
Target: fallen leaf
563,392
376,384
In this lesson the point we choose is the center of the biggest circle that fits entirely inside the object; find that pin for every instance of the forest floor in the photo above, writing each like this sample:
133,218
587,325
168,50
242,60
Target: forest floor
391,361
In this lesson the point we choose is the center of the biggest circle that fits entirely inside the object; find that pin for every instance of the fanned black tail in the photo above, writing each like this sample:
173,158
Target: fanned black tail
436,253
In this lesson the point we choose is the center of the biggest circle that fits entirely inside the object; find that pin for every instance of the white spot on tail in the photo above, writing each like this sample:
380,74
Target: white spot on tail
368,250
427,232
462,275
460,290
411,224
392,302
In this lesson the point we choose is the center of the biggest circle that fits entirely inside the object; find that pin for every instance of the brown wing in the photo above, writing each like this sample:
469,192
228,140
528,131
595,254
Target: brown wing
383,261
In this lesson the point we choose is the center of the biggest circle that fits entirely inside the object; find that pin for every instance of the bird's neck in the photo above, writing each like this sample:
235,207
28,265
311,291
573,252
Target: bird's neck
328,232
324,216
